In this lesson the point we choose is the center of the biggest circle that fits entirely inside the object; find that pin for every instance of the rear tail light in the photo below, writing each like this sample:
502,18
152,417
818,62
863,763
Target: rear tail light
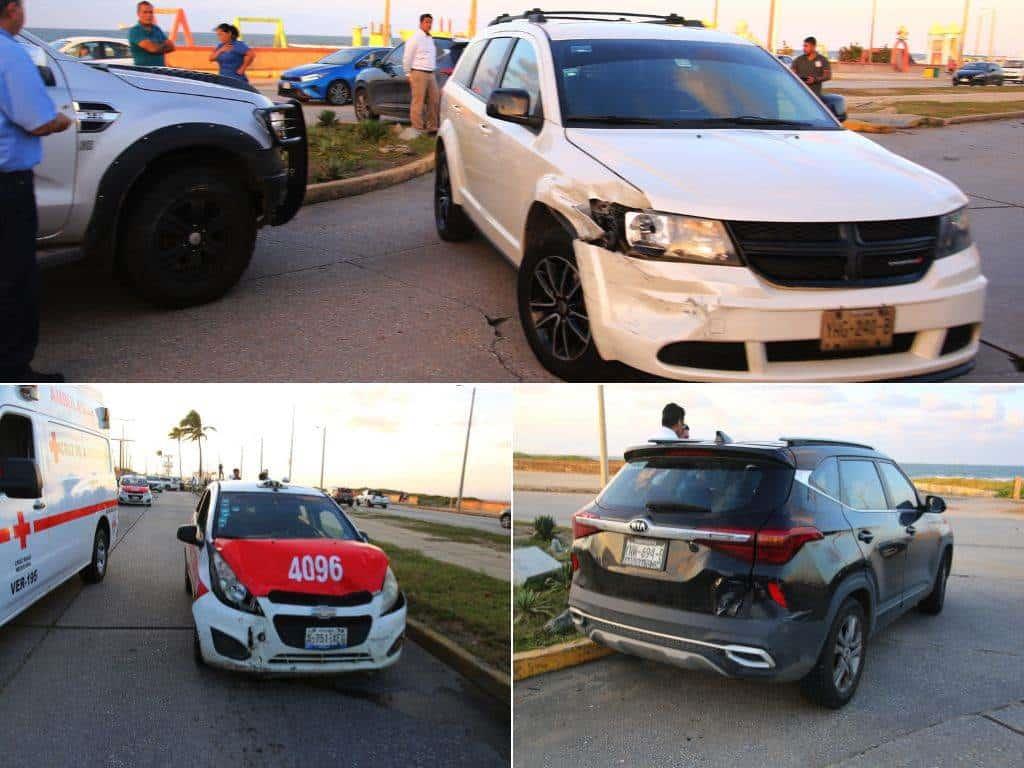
776,594
769,546
575,562
580,529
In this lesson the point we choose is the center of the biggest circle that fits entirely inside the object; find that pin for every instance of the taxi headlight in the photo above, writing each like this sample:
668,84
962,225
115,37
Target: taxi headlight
228,589
388,592
674,237
954,233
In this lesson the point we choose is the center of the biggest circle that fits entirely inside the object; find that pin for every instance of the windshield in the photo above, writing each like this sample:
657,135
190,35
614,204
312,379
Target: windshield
280,516
680,83
341,57
974,65
701,486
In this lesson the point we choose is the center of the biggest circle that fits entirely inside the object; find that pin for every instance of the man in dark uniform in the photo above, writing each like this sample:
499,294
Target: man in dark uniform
812,67
26,114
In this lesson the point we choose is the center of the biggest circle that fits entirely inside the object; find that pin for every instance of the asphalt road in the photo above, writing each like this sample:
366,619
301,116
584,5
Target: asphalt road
936,691
362,289
103,676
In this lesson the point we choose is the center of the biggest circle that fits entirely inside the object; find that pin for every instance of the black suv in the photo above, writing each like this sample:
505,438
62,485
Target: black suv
771,560
384,89
979,73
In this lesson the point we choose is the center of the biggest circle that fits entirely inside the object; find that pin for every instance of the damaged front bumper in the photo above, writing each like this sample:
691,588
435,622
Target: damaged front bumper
273,643
725,323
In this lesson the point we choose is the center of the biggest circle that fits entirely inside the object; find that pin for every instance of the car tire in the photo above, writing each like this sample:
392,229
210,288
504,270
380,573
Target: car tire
451,221
197,649
999,81
832,682
549,279
361,106
94,572
338,93
932,605
174,262
188,585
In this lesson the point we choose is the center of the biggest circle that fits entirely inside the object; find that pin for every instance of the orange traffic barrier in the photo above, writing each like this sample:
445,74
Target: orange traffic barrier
269,62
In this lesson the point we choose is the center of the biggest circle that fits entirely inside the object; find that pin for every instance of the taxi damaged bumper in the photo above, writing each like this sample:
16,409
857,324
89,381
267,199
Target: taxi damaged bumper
233,639
748,329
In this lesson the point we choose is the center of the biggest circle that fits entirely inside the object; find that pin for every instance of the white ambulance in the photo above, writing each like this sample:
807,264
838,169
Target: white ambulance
58,494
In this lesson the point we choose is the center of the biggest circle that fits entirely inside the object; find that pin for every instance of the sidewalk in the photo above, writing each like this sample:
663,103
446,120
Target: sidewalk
476,558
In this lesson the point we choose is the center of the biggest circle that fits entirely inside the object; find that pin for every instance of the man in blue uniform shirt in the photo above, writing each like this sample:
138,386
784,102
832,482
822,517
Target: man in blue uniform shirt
26,114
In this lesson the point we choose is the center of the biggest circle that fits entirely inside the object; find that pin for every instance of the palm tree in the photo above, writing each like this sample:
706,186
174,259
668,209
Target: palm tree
176,434
193,429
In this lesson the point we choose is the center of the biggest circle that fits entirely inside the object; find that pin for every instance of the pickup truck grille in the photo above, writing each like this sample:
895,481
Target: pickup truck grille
859,254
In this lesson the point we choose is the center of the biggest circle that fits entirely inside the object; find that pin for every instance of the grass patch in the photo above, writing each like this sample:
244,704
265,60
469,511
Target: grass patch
957,108
496,541
920,90
470,608
1003,488
535,604
343,150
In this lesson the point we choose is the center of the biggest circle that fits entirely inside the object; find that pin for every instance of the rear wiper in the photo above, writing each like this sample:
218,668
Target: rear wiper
675,506
755,120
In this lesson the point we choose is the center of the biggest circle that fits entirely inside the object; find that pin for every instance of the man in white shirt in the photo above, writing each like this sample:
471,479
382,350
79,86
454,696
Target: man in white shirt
419,62
673,424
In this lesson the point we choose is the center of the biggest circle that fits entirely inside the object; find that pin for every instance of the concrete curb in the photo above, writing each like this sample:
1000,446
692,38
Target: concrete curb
983,118
360,185
866,126
491,681
543,660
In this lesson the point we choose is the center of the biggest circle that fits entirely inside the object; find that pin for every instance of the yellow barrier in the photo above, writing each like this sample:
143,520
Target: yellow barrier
269,62
280,41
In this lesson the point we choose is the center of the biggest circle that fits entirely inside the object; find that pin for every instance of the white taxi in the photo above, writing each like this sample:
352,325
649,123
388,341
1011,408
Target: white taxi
283,582
58,506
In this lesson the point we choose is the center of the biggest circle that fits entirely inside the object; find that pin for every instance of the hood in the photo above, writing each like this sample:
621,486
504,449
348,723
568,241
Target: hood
311,69
758,175
181,84
263,564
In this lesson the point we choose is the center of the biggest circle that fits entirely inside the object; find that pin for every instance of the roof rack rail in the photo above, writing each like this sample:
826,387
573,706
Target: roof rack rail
797,441
539,16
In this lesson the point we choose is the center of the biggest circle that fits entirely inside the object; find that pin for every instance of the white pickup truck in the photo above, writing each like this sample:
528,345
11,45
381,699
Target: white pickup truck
370,498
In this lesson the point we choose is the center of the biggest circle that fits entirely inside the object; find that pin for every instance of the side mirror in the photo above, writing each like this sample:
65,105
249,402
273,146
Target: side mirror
364,537
837,104
513,105
189,534
934,504
20,478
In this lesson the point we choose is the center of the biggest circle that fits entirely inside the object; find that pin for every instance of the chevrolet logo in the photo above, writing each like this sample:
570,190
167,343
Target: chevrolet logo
638,526
325,612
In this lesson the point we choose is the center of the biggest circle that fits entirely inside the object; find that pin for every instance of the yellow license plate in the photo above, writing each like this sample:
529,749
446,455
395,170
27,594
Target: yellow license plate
843,329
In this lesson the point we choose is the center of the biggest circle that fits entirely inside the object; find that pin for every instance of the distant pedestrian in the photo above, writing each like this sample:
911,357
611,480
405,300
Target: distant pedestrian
26,114
236,474
148,42
233,56
812,67
673,424
420,62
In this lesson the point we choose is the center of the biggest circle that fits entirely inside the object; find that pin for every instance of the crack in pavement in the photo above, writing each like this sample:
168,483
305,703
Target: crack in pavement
1003,203
496,323
1009,727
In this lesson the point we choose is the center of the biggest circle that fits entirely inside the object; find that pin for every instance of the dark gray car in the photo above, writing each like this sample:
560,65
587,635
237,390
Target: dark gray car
766,560
384,89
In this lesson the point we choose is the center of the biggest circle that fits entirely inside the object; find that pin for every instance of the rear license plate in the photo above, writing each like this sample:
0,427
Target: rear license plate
326,638
857,328
645,553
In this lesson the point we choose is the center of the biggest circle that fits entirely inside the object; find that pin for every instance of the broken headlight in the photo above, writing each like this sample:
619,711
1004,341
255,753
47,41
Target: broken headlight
679,238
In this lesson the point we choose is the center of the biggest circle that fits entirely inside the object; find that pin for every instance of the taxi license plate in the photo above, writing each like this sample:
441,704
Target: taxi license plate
645,553
843,329
326,638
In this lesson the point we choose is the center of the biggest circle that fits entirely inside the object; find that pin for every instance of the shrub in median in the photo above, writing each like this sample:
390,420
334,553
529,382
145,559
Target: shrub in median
543,527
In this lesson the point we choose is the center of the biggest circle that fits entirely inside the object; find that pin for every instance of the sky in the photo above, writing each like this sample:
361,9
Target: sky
407,437
927,424
834,22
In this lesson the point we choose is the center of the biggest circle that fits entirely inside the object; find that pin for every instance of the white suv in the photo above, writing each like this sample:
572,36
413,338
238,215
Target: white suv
678,200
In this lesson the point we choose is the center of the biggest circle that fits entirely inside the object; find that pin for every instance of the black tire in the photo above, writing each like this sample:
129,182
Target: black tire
932,605
361,106
190,236
834,679
94,572
553,311
188,583
197,651
453,225
999,81
338,93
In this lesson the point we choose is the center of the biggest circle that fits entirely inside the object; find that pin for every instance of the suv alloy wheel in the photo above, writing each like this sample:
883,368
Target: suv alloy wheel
834,679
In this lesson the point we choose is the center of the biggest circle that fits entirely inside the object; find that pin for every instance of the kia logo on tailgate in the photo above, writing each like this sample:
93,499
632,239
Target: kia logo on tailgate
638,526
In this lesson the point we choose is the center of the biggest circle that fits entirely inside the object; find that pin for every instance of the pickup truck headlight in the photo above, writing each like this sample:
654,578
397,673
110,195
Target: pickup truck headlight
674,237
954,233
228,589
310,78
388,592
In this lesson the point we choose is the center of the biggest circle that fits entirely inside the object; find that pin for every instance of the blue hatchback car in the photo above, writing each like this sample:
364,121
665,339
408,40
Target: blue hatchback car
329,79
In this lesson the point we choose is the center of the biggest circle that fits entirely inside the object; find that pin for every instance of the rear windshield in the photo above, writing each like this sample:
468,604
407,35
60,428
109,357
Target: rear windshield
710,487
280,516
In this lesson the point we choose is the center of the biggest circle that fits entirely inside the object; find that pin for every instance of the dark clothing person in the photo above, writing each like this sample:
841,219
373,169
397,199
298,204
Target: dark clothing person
815,67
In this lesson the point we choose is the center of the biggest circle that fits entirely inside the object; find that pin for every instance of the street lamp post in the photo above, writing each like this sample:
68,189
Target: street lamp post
465,451
871,39
771,27
602,435
323,454
963,31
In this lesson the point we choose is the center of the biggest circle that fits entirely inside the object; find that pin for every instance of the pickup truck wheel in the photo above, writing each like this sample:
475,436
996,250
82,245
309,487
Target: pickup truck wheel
339,93
553,312
361,106
836,675
450,219
190,237
94,572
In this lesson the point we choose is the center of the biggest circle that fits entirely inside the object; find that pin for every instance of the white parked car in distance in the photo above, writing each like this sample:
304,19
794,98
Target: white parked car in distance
1013,71
676,199
107,50
371,498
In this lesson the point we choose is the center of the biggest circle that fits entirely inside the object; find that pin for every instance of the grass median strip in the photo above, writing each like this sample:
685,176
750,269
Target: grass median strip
495,541
957,108
468,607
343,150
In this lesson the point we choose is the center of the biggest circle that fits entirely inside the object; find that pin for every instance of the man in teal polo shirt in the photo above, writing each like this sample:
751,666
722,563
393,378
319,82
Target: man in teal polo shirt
148,41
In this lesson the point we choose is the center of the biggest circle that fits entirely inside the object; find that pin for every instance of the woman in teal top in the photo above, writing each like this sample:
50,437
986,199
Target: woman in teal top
233,56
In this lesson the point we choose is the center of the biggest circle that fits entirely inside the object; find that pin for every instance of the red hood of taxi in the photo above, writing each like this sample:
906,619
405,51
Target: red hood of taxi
134,488
263,564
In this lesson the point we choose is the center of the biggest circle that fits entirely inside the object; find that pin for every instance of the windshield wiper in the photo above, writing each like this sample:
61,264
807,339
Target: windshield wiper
755,120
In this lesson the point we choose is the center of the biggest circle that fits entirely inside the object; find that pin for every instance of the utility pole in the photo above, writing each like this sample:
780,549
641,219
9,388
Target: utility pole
871,39
323,454
602,435
471,26
963,31
387,42
714,19
465,451
291,446
261,467
241,462
771,28
992,34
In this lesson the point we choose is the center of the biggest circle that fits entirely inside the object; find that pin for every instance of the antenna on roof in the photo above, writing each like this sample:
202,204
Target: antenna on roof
721,438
